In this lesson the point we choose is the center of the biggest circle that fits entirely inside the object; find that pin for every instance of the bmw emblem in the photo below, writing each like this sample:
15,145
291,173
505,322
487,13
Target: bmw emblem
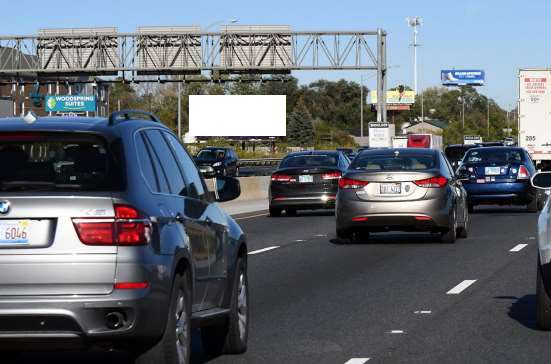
4,207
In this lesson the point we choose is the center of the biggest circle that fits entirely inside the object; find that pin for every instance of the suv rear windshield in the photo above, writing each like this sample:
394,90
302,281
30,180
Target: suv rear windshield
386,162
59,161
496,156
309,160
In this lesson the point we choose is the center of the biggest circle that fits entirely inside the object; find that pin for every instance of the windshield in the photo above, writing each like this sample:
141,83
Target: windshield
495,156
59,161
315,160
211,154
374,162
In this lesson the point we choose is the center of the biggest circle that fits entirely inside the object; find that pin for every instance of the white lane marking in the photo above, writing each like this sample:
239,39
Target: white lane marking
518,247
320,235
249,217
461,286
422,312
396,332
263,250
532,238
358,361
299,240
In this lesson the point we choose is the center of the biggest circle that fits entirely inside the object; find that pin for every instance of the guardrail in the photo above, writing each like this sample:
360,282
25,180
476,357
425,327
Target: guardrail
260,162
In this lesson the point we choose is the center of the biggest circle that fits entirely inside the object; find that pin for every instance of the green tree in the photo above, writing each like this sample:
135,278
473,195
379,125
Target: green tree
300,131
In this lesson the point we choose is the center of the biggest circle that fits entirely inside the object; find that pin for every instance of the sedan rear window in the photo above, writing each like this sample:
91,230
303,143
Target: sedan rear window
309,160
494,156
59,161
410,162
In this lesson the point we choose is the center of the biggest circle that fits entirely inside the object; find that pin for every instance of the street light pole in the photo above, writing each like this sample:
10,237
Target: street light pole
414,23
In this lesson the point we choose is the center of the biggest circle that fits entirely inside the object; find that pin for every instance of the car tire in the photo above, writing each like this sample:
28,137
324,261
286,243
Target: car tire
275,212
360,236
231,336
343,235
533,205
174,347
290,212
543,304
462,232
449,236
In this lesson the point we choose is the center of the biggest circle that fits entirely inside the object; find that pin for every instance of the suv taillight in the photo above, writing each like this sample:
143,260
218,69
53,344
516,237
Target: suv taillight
331,175
523,173
433,182
349,183
127,228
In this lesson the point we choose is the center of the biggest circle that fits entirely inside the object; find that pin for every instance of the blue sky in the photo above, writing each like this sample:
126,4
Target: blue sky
497,36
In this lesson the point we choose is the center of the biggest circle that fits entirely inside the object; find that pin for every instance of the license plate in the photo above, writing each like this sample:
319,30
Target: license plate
306,178
480,180
390,188
492,171
14,231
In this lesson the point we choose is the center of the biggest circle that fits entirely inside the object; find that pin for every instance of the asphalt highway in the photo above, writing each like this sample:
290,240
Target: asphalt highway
400,298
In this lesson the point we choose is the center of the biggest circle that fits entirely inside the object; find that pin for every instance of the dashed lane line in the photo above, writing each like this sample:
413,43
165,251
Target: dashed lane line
461,286
357,361
249,217
518,247
263,250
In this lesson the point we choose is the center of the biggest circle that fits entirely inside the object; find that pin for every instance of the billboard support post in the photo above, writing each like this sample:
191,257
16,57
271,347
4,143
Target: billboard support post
381,75
179,110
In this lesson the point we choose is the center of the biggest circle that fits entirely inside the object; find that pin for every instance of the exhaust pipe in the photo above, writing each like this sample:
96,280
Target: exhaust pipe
114,320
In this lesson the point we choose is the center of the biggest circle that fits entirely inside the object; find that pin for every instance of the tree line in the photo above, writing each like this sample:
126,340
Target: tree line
325,112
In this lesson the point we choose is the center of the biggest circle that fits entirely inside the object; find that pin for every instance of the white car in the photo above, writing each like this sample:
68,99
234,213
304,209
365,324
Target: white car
542,181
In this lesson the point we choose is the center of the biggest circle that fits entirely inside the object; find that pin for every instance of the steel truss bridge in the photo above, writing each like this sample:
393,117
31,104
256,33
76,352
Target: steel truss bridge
179,53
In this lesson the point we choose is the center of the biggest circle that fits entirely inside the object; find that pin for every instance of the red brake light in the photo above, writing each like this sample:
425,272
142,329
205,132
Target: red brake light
433,182
126,229
131,285
279,177
331,175
349,183
523,173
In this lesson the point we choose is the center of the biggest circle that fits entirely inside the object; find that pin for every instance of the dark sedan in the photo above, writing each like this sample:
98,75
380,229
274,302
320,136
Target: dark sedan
499,175
306,181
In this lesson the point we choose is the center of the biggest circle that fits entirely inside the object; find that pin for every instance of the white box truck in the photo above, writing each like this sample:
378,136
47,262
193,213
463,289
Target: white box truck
534,115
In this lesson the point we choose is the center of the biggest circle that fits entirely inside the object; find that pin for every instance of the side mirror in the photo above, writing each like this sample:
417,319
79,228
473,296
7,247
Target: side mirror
227,189
542,180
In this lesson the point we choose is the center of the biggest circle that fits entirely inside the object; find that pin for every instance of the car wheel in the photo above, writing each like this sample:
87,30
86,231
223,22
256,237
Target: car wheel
175,344
275,212
343,235
231,337
543,304
360,236
533,205
290,212
449,236
463,232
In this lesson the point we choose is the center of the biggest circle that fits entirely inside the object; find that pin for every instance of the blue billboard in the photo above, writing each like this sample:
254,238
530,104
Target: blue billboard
70,103
462,77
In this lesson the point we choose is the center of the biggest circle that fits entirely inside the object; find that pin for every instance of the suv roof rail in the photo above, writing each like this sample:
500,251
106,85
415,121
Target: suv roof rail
127,115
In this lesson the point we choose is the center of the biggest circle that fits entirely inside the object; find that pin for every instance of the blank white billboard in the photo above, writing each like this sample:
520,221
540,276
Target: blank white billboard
237,115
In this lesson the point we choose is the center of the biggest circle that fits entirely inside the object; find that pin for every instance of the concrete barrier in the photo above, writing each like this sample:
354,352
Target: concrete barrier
252,188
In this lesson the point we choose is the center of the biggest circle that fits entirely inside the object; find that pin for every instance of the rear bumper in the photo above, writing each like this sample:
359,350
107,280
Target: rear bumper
321,201
509,192
421,215
72,322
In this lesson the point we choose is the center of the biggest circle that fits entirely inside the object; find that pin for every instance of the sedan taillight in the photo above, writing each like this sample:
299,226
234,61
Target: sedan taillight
127,228
349,183
523,173
280,177
433,182
331,175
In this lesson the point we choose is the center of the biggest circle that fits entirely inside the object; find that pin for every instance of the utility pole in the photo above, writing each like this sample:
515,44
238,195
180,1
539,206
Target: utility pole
361,106
488,124
180,110
414,23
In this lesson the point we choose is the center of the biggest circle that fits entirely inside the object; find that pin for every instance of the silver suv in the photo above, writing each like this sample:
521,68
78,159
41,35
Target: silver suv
109,238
